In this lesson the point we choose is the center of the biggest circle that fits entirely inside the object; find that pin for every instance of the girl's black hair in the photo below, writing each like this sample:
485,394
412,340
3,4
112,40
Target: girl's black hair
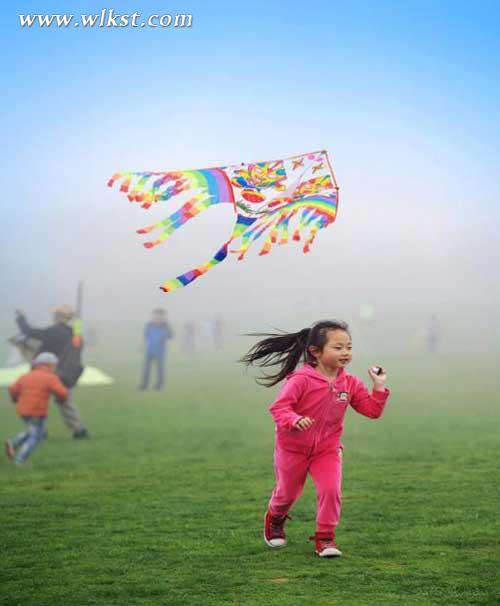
285,350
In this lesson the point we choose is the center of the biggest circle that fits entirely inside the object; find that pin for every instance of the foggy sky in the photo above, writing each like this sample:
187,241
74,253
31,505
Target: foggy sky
410,122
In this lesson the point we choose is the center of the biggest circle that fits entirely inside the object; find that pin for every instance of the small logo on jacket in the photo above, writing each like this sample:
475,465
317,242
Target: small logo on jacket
343,396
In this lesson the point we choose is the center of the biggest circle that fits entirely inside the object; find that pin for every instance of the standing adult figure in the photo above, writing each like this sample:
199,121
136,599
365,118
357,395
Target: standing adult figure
156,334
54,339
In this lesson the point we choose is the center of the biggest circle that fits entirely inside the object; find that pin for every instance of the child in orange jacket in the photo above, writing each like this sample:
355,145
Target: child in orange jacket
32,392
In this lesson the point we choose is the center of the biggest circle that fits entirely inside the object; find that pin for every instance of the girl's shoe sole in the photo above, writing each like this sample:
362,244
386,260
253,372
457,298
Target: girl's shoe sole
331,553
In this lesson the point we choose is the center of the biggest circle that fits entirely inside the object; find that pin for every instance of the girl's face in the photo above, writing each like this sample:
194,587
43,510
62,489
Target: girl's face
337,352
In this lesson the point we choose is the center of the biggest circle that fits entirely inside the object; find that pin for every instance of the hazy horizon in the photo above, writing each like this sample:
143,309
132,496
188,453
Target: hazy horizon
408,113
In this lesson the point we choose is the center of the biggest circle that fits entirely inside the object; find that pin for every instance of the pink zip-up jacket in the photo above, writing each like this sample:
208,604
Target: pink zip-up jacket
307,393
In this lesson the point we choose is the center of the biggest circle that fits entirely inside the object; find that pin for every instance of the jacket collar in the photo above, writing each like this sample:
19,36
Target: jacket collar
42,367
309,371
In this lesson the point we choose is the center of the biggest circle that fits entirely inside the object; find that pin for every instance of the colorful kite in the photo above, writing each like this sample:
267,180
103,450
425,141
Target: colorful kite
265,197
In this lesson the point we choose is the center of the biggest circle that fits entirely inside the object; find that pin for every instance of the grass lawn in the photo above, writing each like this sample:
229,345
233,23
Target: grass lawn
164,505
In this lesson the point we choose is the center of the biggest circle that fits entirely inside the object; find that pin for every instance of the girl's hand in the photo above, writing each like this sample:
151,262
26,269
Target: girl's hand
304,423
379,378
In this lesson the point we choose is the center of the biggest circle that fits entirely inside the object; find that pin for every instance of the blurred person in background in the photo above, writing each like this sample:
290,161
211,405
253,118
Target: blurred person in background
188,339
433,334
218,332
207,334
31,392
156,334
54,339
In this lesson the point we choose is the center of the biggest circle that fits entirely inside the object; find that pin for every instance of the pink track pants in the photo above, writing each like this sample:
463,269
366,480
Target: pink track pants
291,470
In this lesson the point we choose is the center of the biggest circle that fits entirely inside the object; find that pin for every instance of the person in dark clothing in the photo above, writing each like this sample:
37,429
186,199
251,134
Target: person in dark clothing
53,339
156,334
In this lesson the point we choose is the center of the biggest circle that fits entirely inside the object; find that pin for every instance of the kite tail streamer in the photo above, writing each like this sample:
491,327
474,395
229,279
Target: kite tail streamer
188,211
283,228
242,250
137,193
144,192
316,226
270,241
278,224
306,217
127,178
241,230
250,235
212,182
190,276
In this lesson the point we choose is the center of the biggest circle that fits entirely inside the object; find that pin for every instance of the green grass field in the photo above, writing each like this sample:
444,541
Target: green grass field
164,505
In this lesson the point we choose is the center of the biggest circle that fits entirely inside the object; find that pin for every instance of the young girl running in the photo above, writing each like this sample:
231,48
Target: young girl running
309,414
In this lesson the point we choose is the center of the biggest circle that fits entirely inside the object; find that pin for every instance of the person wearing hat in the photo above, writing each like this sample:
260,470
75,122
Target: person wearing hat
53,339
31,393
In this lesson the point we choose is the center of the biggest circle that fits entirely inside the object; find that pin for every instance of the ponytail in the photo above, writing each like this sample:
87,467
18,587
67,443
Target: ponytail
286,350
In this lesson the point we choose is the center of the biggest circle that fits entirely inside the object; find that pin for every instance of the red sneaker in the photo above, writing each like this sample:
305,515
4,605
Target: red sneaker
325,545
274,531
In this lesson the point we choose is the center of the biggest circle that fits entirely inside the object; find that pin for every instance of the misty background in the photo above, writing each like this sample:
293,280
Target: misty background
404,96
